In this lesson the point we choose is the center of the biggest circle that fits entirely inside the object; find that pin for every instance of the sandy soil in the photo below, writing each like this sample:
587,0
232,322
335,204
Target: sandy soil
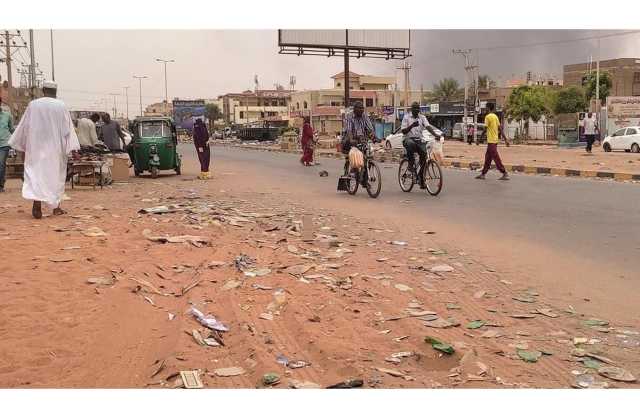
344,316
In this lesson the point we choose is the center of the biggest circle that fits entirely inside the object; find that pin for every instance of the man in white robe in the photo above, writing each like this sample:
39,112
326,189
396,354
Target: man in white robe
47,137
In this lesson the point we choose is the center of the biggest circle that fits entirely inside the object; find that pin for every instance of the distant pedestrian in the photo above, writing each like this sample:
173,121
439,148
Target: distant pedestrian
46,136
112,134
87,134
307,142
6,129
494,133
590,126
201,141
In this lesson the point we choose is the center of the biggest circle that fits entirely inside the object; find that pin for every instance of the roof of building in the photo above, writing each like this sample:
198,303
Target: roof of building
351,75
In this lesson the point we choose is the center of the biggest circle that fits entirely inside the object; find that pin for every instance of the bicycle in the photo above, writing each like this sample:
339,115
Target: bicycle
408,177
369,176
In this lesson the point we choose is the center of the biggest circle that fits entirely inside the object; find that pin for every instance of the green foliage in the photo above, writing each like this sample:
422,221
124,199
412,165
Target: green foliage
447,89
589,83
570,100
213,112
527,103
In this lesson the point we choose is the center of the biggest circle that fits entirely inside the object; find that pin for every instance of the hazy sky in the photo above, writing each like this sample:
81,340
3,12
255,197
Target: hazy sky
91,64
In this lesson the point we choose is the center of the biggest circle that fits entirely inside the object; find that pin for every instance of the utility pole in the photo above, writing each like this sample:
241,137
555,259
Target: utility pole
7,46
598,106
140,77
115,109
467,67
166,96
126,98
53,70
405,67
32,67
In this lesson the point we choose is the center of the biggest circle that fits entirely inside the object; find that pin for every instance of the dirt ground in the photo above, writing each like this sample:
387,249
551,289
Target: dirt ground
333,296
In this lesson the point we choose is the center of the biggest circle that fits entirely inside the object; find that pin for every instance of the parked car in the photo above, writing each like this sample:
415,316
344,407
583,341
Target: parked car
456,133
627,139
217,135
394,140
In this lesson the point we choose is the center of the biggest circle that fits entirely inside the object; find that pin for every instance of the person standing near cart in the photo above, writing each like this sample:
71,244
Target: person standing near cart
6,129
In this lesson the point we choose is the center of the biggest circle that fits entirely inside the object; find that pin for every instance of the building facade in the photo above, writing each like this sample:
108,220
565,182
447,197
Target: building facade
252,106
624,72
159,109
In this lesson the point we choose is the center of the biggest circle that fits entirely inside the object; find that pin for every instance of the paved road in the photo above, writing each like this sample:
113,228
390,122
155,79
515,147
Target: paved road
544,225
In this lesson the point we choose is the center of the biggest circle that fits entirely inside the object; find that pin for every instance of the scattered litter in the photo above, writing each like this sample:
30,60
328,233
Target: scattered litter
75,247
197,337
208,321
101,281
231,284
148,299
185,289
402,287
490,334
158,210
441,323
281,359
159,368
382,259
148,287
479,294
214,264
588,381
616,373
94,231
529,356
60,259
171,316
292,249
298,269
475,324
347,384
298,364
400,243
547,312
452,306
243,262
522,316
270,379
324,173
442,268
398,339
303,384
594,322
524,299
266,316
191,379
261,287
391,372
257,272
278,302
439,345
229,371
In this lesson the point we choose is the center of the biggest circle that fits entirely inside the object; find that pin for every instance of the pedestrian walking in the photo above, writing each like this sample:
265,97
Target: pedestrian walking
307,142
46,136
201,142
590,127
494,133
6,129
87,134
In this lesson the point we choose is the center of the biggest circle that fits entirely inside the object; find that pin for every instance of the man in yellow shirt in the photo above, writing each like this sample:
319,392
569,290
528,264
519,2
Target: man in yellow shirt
494,132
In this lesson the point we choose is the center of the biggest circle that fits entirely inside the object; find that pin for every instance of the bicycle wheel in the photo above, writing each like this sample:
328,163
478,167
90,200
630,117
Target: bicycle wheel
405,176
374,180
433,177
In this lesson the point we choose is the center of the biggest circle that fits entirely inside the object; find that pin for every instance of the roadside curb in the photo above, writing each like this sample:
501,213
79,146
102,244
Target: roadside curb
474,165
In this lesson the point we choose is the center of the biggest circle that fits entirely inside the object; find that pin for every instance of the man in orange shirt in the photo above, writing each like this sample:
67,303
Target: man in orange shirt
494,132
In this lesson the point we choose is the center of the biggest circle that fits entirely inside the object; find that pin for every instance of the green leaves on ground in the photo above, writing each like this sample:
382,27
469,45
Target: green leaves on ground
439,345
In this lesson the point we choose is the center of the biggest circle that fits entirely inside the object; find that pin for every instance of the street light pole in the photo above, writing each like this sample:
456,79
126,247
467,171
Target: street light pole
140,77
126,98
166,96
53,68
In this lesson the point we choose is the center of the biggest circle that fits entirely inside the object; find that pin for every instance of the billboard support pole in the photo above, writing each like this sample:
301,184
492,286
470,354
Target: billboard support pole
346,73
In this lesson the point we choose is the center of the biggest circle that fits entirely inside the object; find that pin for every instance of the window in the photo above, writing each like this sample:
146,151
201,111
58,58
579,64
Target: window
369,103
298,105
619,132
157,129
305,105
636,77
241,115
261,115
338,84
632,131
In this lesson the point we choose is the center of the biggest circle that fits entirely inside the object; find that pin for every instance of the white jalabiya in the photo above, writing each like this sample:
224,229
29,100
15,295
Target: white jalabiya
46,136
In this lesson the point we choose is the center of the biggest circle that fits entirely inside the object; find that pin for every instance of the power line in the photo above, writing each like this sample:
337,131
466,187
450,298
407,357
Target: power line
556,42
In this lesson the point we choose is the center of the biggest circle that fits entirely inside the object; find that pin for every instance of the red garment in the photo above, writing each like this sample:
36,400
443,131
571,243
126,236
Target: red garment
307,144
492,154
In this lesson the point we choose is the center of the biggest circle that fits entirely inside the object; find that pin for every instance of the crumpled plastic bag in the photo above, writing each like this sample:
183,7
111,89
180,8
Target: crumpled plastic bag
208,321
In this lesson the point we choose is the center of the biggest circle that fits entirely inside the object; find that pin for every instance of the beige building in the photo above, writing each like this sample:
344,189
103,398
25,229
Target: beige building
624,72
159,109
253,106
363,82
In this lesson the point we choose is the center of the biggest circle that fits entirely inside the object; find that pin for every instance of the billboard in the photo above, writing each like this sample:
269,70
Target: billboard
622,112
366,39
185,113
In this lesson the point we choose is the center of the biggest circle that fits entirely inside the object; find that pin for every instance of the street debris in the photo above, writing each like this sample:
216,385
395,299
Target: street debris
214,264
257,272
147,287
441,268
195,240
490,334
594,322
229,371
399,243
208,321
243,262
60,259
231,284
402,287
323,173
588,381
303,384
347,384
298,269
547,312
616,373
191,379
93,232
185,289
439,345
529,356
102,281
270,379
158,210
391,372
475,324
266,316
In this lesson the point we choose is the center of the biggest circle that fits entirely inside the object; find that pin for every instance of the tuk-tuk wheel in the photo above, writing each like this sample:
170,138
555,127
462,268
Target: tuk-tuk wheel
154,172
136,173
178,170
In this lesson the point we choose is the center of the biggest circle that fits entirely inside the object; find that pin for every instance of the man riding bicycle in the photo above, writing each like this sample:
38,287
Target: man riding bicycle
357,128
412,126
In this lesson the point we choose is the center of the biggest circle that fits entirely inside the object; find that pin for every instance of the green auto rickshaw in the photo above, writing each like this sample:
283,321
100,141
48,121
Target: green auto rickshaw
154,146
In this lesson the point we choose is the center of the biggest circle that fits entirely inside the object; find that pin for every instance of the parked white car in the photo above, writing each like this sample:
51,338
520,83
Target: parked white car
627,139
394,140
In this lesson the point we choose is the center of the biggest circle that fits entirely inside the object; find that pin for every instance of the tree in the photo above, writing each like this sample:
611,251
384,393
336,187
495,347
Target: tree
485,82
527,103
570,100
213,112
589,83
446,90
